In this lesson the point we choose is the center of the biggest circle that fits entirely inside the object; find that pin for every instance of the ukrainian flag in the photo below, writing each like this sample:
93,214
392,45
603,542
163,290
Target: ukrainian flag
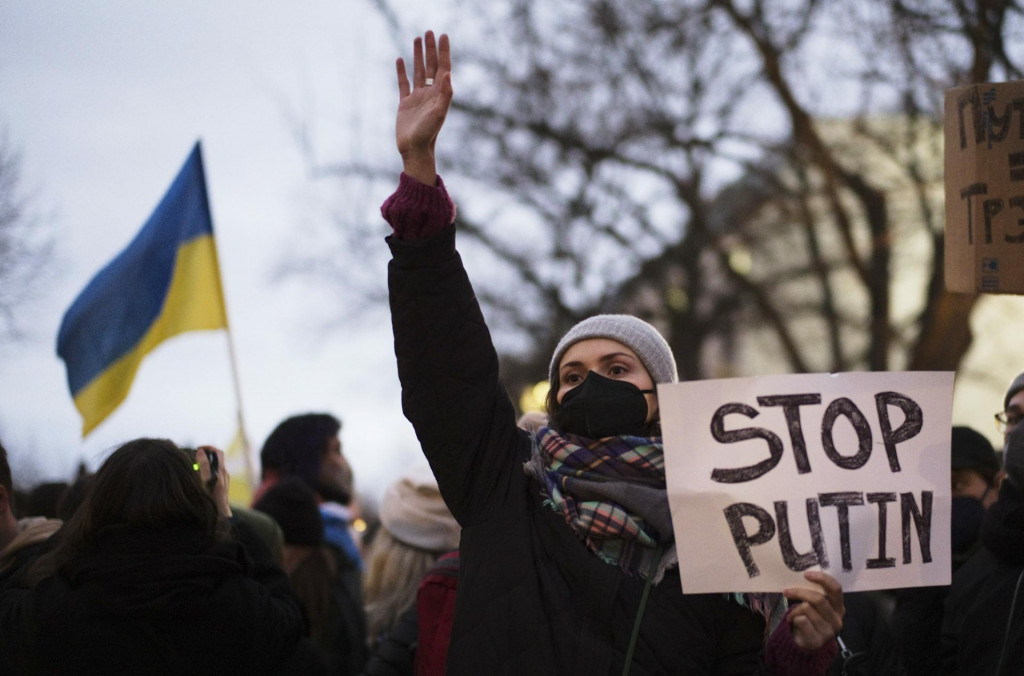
166,282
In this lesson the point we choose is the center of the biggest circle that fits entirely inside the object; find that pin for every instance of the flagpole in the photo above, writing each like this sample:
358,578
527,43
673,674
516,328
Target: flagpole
250,472
249,469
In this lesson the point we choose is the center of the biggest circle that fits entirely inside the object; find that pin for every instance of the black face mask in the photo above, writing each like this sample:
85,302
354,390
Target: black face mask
602,407
966,516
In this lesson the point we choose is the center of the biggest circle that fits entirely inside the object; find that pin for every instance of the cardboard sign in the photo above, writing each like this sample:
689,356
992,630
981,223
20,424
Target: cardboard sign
984,141
847,473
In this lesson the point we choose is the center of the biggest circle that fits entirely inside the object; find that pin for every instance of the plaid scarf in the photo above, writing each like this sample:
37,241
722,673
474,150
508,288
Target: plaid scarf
612,494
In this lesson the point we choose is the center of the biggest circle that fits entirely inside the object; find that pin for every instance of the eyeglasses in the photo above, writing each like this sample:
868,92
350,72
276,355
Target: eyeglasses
1006,420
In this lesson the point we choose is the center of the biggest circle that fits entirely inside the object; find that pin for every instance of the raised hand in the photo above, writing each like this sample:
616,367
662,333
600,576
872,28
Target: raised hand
423,105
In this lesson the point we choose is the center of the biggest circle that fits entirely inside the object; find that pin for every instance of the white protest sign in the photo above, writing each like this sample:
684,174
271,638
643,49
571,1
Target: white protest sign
847,473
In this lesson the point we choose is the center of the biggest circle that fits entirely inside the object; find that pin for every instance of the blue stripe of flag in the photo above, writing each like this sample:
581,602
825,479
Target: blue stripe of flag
123,300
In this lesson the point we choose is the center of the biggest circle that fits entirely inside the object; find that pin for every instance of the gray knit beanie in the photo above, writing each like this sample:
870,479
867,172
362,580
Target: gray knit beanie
1016,386
633,332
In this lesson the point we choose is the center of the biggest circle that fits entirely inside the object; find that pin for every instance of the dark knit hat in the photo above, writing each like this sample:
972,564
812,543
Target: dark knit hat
633,332
293,505
972,450
1015,386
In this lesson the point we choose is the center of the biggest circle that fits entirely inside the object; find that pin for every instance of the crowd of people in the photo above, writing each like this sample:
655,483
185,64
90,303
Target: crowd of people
147,567
522,546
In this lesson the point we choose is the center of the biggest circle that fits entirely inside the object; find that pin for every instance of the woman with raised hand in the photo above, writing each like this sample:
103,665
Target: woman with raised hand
568,562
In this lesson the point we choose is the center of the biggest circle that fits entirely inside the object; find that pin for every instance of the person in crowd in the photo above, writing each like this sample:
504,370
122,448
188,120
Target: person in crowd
308,447
310,566
975,474
20,539
983,623
568,564
416,529
265,527
150,576
1013,406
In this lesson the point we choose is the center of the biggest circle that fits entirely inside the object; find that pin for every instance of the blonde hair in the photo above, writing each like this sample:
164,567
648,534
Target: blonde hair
393,574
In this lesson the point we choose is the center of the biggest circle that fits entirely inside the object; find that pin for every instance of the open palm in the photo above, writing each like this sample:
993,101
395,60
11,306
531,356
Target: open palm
422,107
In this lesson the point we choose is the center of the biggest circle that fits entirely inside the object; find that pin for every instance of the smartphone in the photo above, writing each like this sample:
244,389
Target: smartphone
211,457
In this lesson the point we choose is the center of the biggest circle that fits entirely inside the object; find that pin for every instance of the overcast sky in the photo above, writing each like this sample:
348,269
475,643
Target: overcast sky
104,100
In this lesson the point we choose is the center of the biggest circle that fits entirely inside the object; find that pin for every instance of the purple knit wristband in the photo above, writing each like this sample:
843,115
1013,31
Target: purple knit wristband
785,658
417,210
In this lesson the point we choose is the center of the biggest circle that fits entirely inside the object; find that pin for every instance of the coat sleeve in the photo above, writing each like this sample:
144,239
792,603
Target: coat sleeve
448,369
278,617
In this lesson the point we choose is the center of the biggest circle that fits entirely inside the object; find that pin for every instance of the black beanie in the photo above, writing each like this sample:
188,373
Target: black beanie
972,450
292,504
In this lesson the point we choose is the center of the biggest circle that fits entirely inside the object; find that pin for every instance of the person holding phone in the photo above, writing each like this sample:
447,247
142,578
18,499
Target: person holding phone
150,577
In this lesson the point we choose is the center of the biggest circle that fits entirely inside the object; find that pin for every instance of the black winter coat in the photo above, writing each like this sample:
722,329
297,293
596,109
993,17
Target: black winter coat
531,599
153,602
983,624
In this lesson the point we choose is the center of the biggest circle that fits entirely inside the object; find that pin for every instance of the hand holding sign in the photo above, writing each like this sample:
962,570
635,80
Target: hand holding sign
818,618
847,473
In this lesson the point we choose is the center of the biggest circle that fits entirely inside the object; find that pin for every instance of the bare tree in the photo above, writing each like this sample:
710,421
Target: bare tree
747,175
909,54
24,245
